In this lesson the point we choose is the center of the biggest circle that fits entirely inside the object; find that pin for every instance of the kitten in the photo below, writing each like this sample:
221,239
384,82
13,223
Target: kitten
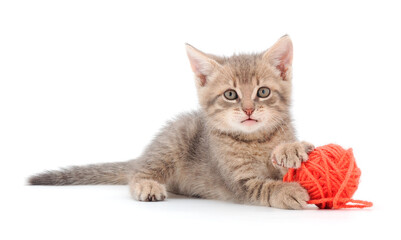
237,147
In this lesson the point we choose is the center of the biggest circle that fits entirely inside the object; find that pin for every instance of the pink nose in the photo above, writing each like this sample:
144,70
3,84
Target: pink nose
248,111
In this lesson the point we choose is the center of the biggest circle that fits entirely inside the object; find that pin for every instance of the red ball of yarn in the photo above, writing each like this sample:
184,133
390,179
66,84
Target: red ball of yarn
330,176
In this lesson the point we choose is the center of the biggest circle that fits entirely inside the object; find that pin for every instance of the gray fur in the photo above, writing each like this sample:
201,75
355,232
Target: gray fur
209,153
107,173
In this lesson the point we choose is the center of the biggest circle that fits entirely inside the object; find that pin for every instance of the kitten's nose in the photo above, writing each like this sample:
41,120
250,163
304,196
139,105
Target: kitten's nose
248,111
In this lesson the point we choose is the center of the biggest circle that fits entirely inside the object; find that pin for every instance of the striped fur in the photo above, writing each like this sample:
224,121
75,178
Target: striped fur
210,153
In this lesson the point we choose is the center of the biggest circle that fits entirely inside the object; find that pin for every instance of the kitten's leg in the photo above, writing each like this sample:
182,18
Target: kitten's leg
160,161
267,192
249,184
291,155
156,166
275,193
147,183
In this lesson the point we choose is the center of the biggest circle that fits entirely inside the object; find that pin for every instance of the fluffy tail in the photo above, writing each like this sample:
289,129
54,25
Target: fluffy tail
107,173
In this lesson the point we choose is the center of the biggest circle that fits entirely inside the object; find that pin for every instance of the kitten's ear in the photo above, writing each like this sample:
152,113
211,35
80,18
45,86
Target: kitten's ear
201,64
280,56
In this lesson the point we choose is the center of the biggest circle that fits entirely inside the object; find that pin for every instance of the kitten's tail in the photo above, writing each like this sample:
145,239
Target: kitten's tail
106,173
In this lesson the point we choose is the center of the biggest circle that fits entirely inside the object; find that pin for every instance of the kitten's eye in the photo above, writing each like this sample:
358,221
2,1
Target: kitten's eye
263,92
230,94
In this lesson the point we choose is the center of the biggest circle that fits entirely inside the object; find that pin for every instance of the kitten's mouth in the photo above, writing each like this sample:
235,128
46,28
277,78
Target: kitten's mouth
249,121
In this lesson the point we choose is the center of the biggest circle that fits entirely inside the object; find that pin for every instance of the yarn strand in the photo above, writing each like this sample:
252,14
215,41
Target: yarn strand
356,203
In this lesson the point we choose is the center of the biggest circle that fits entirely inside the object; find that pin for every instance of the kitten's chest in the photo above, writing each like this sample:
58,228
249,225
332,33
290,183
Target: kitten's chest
257,151
231,149
256,155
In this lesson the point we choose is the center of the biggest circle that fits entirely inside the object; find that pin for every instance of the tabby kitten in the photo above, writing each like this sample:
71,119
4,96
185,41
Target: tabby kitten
237,147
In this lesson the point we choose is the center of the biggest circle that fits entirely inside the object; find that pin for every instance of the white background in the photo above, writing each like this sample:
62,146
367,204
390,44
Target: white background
93,81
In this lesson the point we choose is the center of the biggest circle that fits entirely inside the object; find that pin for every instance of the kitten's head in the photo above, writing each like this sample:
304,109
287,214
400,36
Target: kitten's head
247,93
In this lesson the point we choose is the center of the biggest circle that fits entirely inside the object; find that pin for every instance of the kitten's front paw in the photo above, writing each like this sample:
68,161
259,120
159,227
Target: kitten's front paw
290,196
148,190
291,155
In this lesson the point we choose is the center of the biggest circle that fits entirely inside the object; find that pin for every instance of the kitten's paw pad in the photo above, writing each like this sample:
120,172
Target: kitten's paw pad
148,191
291,155
290,196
